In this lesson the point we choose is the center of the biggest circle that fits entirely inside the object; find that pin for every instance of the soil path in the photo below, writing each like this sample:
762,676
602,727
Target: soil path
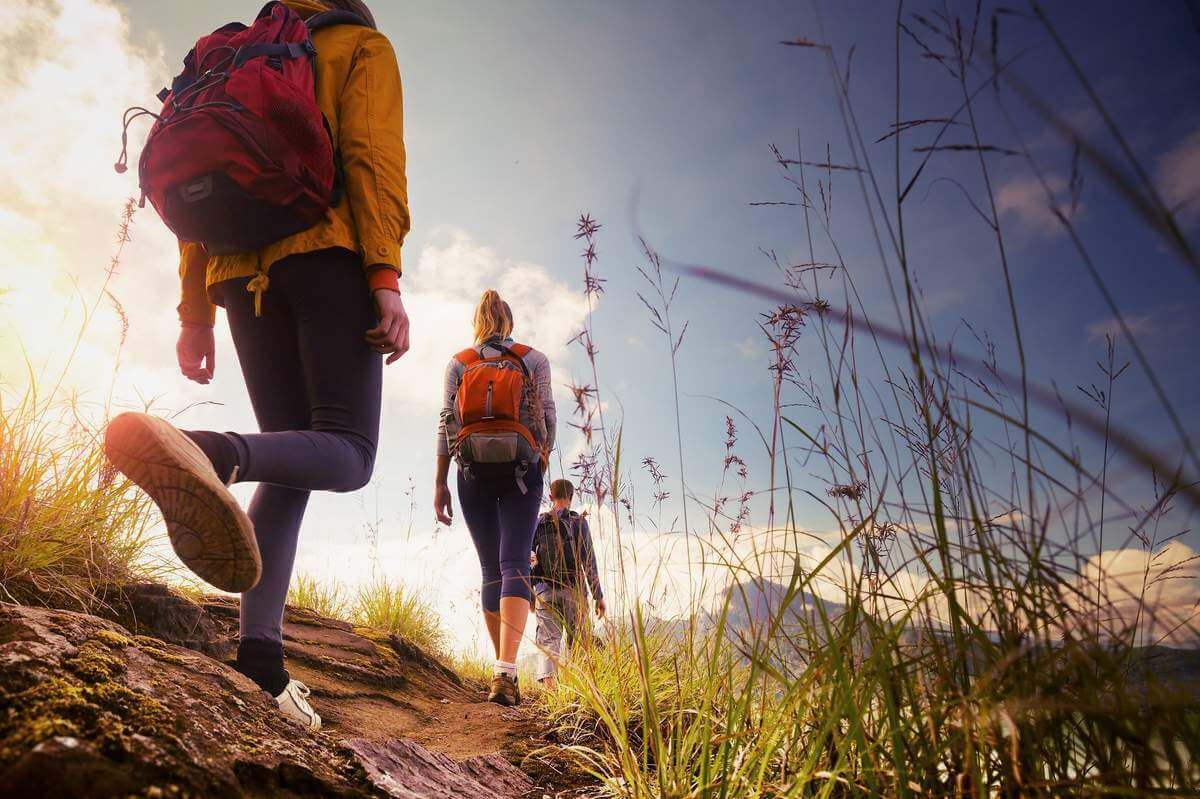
368,684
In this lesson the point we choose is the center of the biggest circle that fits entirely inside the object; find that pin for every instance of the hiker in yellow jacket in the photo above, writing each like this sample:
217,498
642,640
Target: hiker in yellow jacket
312,317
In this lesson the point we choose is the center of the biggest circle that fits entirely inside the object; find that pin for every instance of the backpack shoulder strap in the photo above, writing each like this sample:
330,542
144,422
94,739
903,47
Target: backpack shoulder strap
337,16
516,352
468,356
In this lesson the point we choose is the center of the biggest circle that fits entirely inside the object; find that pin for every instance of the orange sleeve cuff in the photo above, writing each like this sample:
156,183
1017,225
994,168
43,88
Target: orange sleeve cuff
383,277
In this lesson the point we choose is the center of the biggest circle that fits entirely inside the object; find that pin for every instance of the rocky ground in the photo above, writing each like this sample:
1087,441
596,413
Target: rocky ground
143,703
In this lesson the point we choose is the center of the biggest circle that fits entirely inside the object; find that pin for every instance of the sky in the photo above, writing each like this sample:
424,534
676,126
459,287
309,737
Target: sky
657,120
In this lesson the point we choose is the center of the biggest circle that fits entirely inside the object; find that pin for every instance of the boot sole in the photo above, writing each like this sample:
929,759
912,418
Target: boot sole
209,531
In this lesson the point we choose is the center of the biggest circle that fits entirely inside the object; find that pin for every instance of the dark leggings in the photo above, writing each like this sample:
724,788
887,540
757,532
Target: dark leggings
502,521
315,385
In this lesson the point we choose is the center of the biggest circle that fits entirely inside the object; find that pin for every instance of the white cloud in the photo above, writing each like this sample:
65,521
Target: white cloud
1138,324
750,348
72,71
441,290
1179,177
1024,199
1158,591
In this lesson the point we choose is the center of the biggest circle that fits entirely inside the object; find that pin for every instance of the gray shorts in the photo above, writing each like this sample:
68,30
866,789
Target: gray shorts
560,613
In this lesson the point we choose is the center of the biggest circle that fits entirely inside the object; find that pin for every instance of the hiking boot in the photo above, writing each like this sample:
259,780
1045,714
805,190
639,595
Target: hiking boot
505,691
210,532
293,703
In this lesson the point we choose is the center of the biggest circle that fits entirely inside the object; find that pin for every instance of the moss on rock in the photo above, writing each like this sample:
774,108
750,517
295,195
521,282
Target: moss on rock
89,706
112,638
94,664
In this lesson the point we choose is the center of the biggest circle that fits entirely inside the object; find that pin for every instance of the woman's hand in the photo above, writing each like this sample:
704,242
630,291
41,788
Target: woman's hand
196,352
390,338
601,608
442,506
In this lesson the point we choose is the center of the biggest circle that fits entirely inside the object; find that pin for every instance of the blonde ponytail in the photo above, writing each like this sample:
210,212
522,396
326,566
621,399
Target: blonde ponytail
493,318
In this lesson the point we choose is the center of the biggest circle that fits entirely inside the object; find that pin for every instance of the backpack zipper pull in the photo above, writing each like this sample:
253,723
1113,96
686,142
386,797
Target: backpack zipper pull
488,410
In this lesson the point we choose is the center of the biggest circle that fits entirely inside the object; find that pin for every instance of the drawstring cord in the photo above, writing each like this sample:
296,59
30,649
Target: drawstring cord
257,285
130,115
203,81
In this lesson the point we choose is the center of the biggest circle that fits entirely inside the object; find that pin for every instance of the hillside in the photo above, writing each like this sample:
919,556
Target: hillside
149,707
753,604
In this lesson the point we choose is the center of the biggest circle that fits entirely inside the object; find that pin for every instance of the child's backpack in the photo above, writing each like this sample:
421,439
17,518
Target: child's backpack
492,437
240,155
556,545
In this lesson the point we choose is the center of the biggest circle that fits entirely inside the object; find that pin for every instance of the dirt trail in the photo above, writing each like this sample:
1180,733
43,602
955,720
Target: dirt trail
371,685
367,684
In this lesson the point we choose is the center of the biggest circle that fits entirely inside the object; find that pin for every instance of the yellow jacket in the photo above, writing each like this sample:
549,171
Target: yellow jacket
358,89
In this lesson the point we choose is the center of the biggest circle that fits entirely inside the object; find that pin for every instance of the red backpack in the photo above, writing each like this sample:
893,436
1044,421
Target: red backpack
493,437
240,155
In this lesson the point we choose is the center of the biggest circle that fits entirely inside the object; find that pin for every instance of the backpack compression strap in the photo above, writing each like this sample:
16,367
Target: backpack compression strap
316,22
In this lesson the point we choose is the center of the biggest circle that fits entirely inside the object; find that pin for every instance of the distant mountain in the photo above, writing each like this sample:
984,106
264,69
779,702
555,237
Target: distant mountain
1165,665
752,604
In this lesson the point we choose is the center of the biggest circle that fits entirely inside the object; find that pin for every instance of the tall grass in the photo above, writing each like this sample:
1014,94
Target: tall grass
381,604
958,635
390,606
472,666
69,526
321,597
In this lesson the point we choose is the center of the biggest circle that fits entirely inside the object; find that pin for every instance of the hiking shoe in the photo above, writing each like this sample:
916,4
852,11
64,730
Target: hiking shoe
210,532
505,691
293,703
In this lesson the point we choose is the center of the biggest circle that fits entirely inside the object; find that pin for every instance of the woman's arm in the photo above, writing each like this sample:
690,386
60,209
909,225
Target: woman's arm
195,349
443,508
371,143
194,307
545,389
447,427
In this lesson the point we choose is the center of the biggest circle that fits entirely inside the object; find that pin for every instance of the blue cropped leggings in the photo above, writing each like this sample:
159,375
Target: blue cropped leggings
502,521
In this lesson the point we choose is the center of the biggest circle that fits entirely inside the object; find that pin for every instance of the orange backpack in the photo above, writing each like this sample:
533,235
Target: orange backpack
492,392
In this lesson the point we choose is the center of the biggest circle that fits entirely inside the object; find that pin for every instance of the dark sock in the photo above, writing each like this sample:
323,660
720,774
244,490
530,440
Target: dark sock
219,449
262,661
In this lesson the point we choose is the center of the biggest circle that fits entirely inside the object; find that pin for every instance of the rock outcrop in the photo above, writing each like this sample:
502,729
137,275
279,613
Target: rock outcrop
89,707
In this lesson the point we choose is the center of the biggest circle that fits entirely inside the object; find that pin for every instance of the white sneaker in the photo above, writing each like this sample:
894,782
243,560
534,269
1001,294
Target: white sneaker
293,703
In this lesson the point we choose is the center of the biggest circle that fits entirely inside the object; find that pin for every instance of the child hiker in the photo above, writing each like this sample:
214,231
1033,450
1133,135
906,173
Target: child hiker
564,572
498,421
306,264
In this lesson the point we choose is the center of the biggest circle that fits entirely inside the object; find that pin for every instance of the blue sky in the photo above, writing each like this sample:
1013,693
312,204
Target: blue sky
657,118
